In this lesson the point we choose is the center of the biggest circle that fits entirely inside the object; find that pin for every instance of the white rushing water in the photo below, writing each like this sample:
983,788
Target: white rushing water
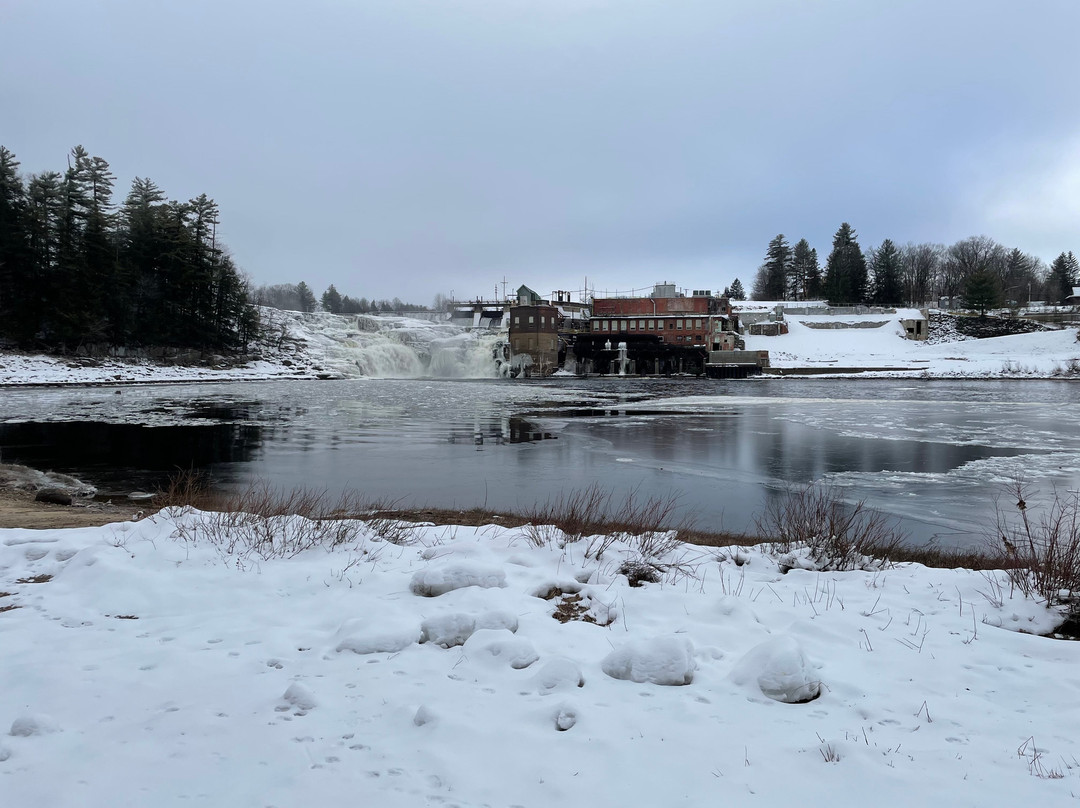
396,347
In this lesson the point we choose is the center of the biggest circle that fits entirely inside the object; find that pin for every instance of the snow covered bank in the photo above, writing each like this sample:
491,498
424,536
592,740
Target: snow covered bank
156,663
322,345
810,344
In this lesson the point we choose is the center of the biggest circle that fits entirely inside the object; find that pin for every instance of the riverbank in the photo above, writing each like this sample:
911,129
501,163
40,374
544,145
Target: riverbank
327,346
486,665
19,509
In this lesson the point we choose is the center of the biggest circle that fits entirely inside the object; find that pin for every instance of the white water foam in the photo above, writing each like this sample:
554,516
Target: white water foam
397,347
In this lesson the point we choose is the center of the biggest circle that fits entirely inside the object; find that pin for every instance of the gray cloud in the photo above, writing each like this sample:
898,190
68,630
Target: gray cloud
408,148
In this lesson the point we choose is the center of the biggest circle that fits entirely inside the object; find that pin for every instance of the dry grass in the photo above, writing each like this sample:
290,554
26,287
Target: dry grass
43,578
1041,555
837,535
1042,547
266,523
649,524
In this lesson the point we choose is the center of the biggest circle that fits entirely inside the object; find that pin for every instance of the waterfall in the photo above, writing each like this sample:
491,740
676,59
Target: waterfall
396,347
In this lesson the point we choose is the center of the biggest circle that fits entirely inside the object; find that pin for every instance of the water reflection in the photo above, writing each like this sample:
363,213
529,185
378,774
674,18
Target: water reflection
119,458
931,453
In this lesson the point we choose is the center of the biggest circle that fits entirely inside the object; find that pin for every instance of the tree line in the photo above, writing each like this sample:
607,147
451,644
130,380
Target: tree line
299,297
75,268
977,270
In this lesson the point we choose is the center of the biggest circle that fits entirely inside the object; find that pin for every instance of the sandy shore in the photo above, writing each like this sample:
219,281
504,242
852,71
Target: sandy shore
18,509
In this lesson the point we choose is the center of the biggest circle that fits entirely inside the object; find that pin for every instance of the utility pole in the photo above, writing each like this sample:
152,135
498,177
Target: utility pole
504,288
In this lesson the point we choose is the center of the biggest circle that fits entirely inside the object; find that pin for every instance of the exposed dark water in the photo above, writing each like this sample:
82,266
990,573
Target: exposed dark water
933,454
120,457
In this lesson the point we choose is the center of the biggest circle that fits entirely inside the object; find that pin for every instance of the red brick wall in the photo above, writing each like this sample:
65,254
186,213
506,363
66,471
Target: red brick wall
636,306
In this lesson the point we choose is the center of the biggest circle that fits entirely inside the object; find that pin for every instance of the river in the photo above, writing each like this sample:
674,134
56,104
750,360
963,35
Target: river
935,455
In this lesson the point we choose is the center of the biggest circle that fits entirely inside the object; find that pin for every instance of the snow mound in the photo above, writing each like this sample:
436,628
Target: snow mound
431,583
299,697
779,668
376,634
423,715
559,673
498,648
496,620
660,660
447,630
26,726
565,717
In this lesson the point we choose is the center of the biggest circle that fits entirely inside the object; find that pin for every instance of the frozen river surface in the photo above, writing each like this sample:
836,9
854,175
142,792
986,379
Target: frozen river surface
934,454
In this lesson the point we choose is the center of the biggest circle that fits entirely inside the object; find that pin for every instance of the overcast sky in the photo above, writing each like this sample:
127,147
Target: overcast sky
404,148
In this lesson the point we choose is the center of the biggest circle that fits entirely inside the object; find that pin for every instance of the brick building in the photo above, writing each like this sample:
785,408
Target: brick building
700,319
534,339
666,332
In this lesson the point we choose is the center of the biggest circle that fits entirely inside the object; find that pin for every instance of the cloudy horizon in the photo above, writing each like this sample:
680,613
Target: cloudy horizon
413,148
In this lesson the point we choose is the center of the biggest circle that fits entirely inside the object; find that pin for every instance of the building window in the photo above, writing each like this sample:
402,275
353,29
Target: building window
531,318
641,324
517,320
671,325
678,324
606,325
633,325
541,319
652,325
697,325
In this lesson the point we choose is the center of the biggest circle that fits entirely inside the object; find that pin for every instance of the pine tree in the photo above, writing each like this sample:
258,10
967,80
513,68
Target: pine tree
771,282
149,274
805,278
14,248
736,292
331,300
888,276
307,297
814,282
1063,277
982,291
845,270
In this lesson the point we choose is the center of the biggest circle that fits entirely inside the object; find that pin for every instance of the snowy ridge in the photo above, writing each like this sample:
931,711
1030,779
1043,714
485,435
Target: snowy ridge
146,666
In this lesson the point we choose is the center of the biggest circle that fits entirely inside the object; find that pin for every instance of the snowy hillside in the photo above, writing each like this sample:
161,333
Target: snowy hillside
811,343
164,663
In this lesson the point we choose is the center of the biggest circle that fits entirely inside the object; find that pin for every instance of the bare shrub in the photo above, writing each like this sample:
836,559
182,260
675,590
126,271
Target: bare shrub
567,517
265,523
1043,546
643,523
188,488
838,535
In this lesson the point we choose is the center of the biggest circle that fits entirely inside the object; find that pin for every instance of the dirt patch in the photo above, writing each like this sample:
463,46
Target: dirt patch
18,509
